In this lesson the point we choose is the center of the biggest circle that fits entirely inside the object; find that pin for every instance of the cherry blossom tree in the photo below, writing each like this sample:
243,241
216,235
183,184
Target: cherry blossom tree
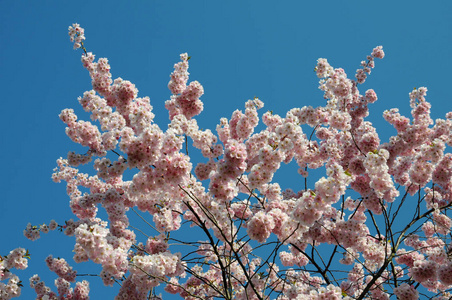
339,237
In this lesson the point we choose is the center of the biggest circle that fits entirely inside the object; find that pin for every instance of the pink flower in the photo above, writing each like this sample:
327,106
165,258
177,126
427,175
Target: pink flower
371,96
61,268
323,68
378,52
445,273
77,35
179,77
307,211
424,270
260,226
406,292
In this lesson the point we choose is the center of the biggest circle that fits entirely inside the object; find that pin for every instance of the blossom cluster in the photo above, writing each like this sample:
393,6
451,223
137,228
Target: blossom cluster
64,290
16,259
77,35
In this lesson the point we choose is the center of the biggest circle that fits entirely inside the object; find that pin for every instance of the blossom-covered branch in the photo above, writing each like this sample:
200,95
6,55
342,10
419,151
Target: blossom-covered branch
261,242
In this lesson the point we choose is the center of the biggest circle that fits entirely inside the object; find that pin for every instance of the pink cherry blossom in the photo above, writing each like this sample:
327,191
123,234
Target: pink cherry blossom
221,184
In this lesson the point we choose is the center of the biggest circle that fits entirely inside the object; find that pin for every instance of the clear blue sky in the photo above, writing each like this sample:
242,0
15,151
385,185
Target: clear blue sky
239,49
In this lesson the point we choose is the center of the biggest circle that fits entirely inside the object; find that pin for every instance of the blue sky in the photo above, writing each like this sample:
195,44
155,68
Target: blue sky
239,49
